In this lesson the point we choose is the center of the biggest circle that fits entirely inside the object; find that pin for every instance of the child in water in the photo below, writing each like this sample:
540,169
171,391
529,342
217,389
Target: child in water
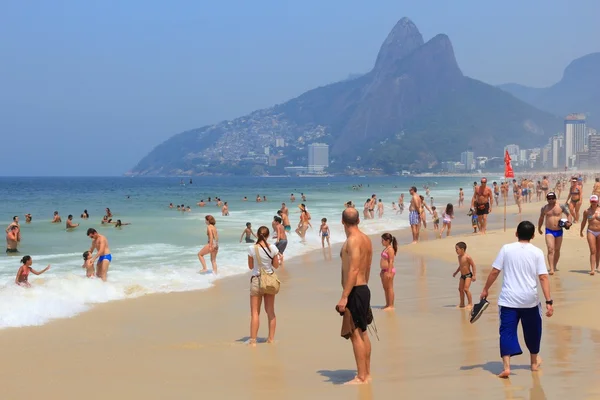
88,265
324,232
466,267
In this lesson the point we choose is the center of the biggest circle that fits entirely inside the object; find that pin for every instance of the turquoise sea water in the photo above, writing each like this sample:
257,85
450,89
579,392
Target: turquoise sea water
157,252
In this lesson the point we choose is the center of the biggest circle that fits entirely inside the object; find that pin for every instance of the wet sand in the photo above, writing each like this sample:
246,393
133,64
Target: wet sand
191,345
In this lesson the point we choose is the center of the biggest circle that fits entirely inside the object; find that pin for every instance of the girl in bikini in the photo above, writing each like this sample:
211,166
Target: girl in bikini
388,271
591,217
447,218
25,269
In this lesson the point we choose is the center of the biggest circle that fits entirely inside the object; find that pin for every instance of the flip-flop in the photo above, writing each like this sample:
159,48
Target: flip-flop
478,310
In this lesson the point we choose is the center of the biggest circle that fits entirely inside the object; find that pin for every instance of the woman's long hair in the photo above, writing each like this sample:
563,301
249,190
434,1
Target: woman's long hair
392,239
262,235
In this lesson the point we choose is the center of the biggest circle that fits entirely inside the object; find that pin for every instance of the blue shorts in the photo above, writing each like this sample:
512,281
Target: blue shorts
531,322
414,218
107,257
555,233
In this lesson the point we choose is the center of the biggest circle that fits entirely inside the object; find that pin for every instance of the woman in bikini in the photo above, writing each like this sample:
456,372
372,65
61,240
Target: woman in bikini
212,247
304,222
591,216
388,271
574,198
25,269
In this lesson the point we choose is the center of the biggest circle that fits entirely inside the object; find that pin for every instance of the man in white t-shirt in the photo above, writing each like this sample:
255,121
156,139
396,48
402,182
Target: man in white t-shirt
523,265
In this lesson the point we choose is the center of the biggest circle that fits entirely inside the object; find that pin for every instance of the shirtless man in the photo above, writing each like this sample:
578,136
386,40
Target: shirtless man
516,190
285,220
284,209
482,202
461,197
552,213
281,242
496,192
596,188
574,198
414,214
225,210
103,255
70,224
545,186
56,219
12,240
15,222
357,254
380,209
372,206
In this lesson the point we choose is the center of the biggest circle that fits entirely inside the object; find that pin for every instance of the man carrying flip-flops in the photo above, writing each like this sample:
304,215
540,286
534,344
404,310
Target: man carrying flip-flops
523,265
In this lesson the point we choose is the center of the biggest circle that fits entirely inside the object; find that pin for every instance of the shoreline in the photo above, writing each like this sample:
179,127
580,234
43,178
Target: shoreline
177,344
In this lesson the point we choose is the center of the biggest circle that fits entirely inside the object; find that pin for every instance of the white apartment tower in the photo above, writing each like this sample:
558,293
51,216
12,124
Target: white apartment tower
318,157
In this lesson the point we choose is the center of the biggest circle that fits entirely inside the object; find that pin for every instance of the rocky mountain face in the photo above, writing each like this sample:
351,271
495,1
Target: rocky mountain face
414,109
577,92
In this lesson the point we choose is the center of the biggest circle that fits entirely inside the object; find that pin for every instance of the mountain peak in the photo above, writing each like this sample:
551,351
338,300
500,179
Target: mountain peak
401,41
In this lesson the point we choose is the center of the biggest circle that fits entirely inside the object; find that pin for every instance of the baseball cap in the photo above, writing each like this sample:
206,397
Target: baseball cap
594,198
551,195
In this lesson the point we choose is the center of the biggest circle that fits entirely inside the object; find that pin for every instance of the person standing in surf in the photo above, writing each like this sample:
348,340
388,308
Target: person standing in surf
212,247
103,256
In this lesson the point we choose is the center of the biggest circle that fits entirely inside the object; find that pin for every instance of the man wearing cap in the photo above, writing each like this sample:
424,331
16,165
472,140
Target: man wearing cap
482,202
551,213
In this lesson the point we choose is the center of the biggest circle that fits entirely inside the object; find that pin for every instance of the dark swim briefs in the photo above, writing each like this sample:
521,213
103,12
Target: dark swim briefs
483,209
359,304
465,276
12,250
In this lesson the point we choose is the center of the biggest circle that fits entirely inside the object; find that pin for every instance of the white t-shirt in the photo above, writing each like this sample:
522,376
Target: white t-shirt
522,264
264,260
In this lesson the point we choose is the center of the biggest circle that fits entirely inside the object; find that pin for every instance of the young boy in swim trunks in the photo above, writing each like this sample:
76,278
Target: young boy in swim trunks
466,267
473,216
88,265
324,232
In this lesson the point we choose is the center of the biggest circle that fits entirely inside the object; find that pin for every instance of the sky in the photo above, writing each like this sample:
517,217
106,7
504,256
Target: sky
88,88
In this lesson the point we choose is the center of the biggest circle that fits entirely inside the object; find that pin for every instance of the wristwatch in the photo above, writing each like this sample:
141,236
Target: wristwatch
550,302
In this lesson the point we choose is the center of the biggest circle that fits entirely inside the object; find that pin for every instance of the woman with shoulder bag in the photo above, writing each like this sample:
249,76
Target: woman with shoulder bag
262,260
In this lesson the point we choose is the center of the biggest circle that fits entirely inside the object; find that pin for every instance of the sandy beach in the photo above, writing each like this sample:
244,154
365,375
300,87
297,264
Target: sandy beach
191,345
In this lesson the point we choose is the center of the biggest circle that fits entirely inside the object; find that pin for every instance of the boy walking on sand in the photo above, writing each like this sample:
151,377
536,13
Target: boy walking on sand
324,232
468,274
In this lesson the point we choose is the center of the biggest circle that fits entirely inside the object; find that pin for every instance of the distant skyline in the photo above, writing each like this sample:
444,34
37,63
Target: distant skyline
88,88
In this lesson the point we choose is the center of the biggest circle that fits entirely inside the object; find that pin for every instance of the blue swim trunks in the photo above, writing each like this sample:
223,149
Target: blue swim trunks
105,257
555,233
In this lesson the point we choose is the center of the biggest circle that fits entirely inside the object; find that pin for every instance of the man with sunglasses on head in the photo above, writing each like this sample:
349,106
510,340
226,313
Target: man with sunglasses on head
552,213
482,202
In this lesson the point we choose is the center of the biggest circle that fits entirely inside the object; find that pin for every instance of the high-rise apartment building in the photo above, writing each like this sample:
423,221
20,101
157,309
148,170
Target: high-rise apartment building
576,137
318,157
467,158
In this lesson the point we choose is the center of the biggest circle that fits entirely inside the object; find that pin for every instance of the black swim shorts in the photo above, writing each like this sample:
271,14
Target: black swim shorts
483,209
359,304
12,250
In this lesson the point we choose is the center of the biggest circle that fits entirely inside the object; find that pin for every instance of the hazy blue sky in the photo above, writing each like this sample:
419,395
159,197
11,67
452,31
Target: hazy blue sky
90,87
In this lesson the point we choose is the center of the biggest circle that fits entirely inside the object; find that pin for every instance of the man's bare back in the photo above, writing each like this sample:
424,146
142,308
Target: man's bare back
415,203
357,252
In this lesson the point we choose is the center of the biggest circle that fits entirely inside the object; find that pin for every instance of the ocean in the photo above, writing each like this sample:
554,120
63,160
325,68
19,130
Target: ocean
157,253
